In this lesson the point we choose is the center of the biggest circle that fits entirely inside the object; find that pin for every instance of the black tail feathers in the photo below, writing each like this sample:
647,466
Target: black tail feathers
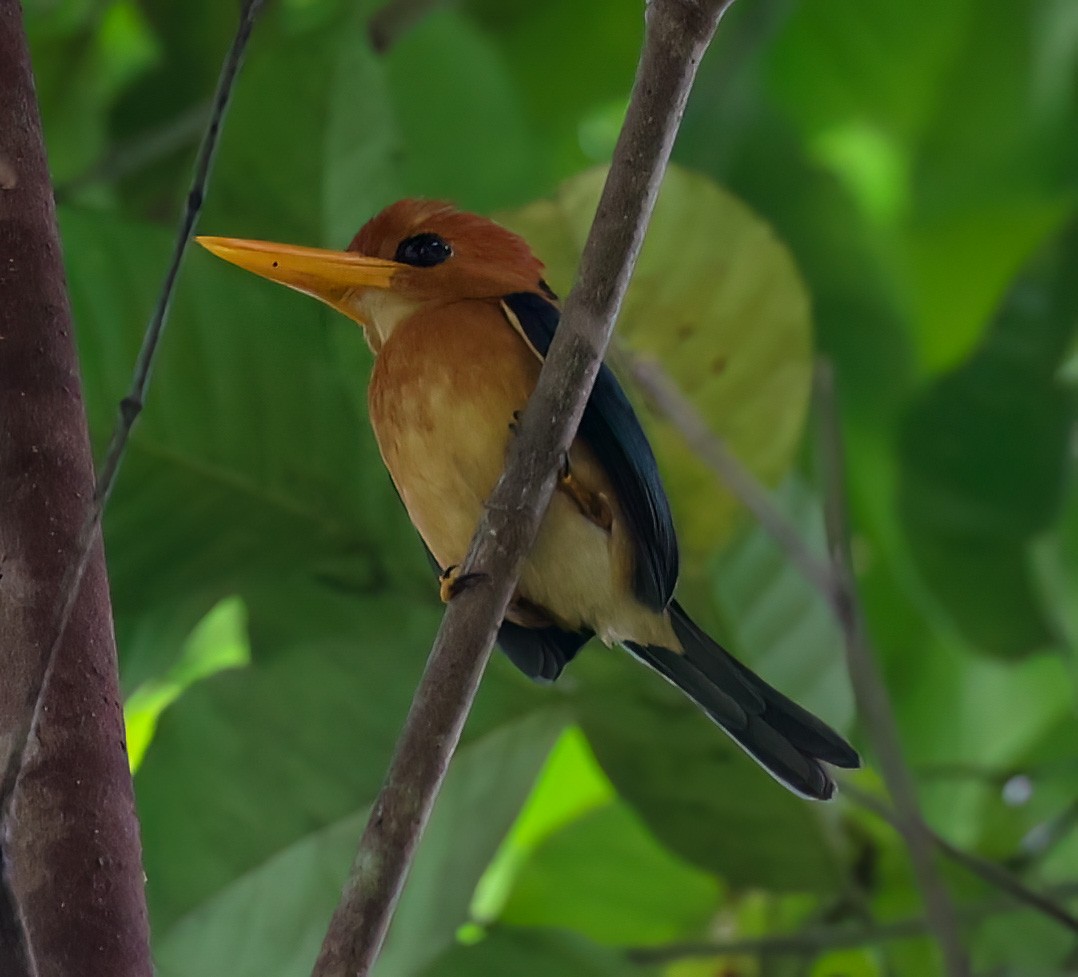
786,740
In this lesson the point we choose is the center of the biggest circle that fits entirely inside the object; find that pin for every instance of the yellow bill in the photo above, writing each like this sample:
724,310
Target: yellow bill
326,275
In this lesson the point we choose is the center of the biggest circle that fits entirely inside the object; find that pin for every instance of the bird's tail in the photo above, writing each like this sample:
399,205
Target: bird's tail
786,740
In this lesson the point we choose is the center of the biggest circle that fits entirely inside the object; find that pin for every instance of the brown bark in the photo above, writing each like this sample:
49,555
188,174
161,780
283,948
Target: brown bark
71,860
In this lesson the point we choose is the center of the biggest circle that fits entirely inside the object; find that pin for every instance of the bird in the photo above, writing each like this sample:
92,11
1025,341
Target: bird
459,317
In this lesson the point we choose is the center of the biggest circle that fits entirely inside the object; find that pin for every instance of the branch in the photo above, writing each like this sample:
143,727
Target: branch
677,34
990,872
385,27
141,151
809,943
671,404
870,692
836,584
72,897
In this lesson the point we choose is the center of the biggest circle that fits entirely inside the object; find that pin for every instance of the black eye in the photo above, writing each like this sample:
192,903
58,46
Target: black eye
423,250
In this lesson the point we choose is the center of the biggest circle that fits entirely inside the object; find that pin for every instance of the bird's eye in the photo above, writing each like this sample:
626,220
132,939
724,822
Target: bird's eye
423,250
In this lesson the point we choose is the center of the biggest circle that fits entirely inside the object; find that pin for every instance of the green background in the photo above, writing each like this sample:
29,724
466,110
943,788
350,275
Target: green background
890,184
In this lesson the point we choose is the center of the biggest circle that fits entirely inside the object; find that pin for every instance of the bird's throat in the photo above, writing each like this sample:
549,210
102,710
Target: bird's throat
380,312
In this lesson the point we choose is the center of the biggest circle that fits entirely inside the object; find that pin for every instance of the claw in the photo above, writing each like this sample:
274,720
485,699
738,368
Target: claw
452,582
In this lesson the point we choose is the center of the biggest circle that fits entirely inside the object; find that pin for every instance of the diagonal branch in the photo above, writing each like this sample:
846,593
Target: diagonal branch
870,691
141,151
671,404
991,872
836,584
677,34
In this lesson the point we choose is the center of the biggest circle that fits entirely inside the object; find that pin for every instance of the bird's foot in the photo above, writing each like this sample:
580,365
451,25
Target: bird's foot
451,582
594,505
515,422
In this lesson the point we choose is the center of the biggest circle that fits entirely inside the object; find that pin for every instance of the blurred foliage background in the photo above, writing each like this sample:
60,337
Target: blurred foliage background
892,184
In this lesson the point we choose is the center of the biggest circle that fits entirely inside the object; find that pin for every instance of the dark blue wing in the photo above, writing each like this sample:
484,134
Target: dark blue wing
540,653
612,431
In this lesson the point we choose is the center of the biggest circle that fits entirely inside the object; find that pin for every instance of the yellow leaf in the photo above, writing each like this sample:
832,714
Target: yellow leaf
718,300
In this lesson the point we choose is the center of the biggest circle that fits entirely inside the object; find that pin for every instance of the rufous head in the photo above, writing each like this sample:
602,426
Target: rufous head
414,254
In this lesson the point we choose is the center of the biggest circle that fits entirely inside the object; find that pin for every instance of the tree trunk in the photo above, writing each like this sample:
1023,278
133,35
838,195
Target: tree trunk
72,900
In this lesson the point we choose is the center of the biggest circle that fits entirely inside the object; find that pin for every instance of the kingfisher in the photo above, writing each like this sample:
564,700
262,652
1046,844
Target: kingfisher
459,318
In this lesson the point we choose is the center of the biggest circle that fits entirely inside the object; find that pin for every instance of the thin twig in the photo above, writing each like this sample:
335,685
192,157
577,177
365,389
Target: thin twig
870,692
990,872
131,405
141,150
1044,838
385,27
676,36
811,942
712,450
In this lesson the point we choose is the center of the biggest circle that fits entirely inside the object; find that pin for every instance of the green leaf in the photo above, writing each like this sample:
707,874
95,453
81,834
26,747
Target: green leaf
464,135
983,454
218,642
961,265
300,725
899,68
696,791
269,921
864,962
311,723
1056,565
570,786
604,876
961,169
492,778
84,57
251,461
958,708
718,301
595,64
308,154
1043,947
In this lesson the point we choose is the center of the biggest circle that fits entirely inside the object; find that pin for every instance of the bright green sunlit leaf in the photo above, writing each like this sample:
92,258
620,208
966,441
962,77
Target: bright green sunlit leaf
218,642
